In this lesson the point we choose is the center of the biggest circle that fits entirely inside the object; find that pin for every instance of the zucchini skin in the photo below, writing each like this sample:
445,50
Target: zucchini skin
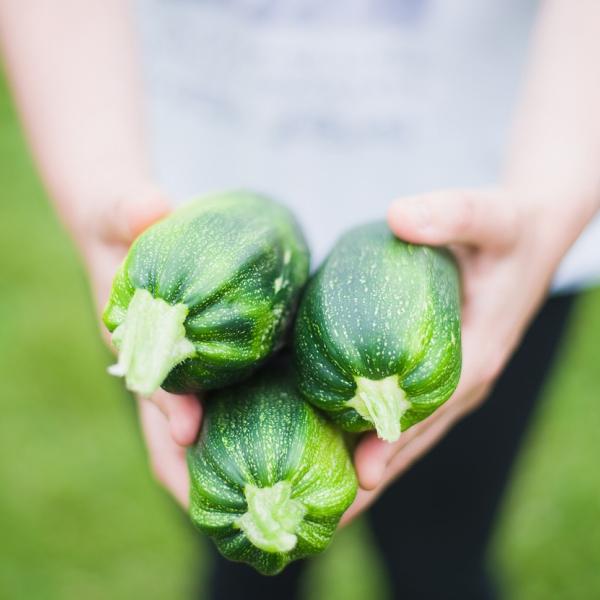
262,432
377,308
237,261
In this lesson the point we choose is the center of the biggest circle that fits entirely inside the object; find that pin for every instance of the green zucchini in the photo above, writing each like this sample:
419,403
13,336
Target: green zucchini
377,337
270,477
204,295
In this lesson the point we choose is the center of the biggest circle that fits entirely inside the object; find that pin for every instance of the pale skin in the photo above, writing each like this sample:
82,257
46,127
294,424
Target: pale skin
75,77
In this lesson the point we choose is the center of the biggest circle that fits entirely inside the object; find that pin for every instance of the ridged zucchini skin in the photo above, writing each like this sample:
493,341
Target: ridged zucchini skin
236,262
262,433
380,308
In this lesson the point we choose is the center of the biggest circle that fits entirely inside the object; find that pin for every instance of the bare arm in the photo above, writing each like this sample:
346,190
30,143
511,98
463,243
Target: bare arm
509,240
555,147
73,70
75,77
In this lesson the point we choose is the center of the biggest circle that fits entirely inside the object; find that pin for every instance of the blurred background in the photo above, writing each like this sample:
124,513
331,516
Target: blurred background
80,516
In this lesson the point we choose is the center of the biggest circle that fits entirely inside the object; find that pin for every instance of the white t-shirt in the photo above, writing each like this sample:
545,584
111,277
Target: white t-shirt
337,107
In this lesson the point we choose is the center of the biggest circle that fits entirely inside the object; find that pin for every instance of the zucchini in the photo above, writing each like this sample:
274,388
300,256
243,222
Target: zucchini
204,295
377,337
270,477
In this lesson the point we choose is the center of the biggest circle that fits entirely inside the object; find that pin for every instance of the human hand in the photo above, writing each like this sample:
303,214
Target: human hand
169,422
508,247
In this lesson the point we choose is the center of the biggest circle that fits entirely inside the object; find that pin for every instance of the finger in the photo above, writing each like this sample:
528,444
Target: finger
418,440
145,211
419,446
363,500
372,455
370,460
423,436
184,414
477,218
126,217
166,457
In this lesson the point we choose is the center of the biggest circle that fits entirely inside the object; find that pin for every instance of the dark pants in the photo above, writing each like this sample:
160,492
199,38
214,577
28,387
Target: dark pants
434,524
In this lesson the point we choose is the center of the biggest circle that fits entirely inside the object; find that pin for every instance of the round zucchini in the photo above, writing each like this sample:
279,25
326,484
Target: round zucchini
204,296
377,337
270,477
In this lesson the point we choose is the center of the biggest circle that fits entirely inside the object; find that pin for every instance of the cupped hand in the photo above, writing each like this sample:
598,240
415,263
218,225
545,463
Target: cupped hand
508,247
169,422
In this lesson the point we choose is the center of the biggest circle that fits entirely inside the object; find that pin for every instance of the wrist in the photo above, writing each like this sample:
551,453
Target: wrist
554,219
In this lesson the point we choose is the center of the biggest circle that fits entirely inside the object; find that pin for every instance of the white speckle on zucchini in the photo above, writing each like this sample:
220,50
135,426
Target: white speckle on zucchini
278,283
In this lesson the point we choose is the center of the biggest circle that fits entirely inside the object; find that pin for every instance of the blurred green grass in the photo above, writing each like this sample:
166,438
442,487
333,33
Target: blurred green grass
80,516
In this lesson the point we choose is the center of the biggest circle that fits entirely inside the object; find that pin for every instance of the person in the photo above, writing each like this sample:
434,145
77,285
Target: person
338,108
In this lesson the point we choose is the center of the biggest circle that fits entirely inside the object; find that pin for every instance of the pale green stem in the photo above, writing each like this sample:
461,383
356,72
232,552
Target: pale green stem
272,518
381,402
151,341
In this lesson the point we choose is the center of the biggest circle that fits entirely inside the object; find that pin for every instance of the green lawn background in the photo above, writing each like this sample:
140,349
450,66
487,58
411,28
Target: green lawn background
80,516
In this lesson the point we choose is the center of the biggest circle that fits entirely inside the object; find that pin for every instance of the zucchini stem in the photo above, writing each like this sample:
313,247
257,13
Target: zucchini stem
151,341
381,402
272,518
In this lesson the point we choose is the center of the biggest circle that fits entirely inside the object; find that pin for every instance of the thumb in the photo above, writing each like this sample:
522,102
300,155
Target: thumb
474,218
126,217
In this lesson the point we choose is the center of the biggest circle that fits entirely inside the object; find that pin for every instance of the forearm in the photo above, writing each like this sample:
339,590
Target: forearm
554,156
75,78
